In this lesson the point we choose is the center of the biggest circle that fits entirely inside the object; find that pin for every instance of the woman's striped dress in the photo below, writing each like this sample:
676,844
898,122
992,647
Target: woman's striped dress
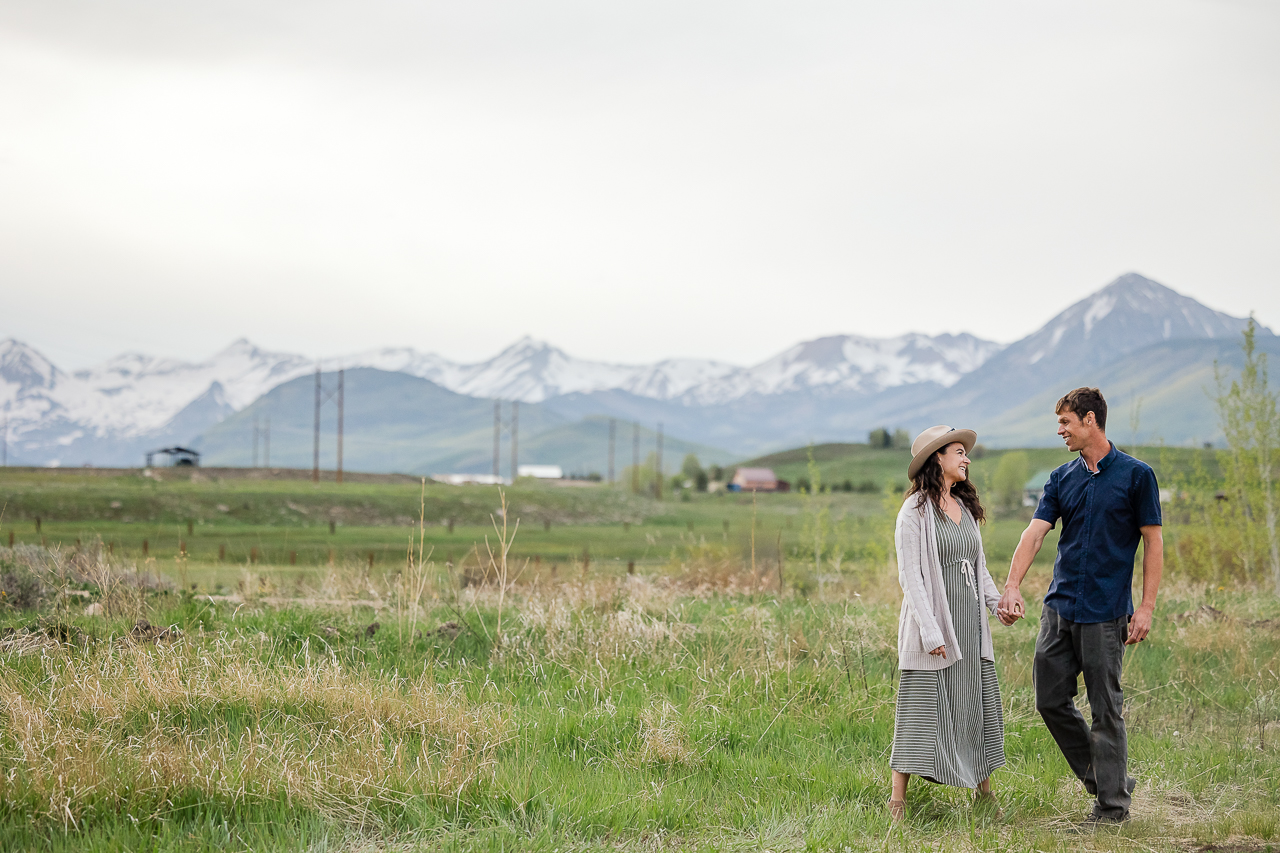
949,727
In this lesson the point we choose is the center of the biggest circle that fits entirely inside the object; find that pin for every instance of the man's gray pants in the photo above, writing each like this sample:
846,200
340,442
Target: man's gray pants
1098,755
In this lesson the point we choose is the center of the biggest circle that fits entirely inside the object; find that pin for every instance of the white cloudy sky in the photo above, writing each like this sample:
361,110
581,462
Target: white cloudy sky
630,181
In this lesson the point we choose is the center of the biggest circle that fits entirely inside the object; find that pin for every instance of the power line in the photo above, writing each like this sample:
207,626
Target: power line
497,435
613,433
515,439
658,484
635,457
340,401
315,448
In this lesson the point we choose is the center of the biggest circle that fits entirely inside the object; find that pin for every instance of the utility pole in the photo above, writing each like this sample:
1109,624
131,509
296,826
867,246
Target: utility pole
315,447
635,457
497,435
256,430
266,444
613,435
515,440
340,395
5,443
658,485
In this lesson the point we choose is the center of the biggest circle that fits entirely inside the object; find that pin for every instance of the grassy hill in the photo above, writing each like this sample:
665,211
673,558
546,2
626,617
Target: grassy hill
397,422
887,468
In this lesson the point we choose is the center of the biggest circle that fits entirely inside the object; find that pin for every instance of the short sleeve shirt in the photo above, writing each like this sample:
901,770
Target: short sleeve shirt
1102,515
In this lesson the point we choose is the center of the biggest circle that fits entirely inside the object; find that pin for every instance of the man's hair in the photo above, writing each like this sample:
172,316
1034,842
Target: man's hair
1082,401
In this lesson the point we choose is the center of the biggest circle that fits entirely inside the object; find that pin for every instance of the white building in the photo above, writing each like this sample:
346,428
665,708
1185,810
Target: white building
541,472
471,479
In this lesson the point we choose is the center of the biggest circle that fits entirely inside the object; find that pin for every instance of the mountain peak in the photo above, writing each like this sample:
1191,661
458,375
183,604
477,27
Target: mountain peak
24,366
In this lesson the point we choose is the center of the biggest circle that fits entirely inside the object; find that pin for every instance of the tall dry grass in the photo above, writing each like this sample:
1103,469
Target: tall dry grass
149,729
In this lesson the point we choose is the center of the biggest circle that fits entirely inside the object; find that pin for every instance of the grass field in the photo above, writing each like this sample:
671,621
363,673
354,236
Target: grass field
694,704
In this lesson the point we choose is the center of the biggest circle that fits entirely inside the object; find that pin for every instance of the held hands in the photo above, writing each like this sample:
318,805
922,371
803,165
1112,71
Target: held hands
940,651
1011,607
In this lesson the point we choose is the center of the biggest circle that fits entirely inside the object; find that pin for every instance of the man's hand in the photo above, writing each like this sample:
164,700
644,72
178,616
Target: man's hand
1139,625
940,651
1011,607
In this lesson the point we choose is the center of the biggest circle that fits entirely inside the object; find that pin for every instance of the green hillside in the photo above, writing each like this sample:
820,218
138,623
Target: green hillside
1164,392
397,422
860,464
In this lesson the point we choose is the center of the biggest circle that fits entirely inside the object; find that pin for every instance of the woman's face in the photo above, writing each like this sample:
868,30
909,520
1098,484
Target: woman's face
955,463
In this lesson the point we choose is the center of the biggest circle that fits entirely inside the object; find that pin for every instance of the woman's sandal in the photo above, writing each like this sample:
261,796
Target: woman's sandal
987,801
897,810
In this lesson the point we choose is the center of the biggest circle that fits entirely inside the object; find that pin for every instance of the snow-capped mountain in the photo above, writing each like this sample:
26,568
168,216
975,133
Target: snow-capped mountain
853,364
134,401
1127,315
139,398
131,398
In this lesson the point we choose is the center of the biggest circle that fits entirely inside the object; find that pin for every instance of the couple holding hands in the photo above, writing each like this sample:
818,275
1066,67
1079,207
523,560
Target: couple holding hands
949,727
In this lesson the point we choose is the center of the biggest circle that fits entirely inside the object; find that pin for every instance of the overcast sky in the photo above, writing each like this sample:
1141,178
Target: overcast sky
630,181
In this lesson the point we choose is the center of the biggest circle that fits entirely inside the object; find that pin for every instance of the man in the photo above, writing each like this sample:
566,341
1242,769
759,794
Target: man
1107,501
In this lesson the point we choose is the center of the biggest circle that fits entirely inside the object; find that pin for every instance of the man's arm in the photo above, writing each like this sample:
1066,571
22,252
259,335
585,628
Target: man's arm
1011,607
1152,569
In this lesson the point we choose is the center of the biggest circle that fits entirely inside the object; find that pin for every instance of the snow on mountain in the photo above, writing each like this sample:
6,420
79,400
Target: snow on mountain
853,364
139,397
131,396
133,393
1128,314
532,371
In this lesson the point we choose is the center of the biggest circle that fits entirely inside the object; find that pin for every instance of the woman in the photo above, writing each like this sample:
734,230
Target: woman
949,728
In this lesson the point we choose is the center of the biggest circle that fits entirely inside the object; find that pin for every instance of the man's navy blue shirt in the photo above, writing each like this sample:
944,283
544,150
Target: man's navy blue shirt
1101,515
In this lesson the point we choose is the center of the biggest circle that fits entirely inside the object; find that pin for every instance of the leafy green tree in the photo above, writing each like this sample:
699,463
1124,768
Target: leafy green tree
817,517
1010,478
901,439
1247,412
879,438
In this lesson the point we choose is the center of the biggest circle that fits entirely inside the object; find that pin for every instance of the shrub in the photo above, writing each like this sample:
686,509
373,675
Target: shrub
20,588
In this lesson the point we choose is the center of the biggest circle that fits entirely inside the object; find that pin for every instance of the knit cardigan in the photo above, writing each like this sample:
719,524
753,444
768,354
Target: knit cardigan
925,620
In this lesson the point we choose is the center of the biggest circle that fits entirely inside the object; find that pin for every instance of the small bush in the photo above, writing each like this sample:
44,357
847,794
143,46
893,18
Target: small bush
20,588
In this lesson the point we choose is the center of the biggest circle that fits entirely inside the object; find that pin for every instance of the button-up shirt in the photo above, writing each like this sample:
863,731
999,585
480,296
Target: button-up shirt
1102,515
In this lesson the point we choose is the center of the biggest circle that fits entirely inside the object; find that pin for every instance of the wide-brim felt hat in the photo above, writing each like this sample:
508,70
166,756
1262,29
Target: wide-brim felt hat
934,439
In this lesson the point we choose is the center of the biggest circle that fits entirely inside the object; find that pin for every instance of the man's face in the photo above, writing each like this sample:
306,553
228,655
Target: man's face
1074,431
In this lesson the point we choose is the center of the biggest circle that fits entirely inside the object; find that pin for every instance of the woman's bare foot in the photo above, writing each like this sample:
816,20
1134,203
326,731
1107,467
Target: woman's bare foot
897,810
987,802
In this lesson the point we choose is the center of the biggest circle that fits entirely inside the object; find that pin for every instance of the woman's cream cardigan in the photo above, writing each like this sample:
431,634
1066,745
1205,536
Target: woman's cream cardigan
925,621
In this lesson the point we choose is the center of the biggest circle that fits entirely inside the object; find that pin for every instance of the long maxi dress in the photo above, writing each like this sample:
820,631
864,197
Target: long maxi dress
949,726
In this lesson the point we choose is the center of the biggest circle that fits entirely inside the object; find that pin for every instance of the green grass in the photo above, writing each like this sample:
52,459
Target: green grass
285,522
615,713
693,705
886,468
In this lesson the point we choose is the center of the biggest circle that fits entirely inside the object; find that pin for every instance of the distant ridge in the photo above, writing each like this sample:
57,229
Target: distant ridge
1136,338
106,414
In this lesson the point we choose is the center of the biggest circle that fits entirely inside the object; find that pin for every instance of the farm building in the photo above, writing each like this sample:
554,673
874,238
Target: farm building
176,456
1033,489
541,472
754,480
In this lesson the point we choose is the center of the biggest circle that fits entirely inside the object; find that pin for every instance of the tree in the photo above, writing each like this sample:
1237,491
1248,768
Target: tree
879,438
1010,478
1247,412
901,439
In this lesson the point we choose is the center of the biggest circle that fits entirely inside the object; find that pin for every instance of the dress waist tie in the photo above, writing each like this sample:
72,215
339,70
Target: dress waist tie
970,580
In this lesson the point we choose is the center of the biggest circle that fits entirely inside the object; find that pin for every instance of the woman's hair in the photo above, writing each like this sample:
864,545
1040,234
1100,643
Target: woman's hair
928,485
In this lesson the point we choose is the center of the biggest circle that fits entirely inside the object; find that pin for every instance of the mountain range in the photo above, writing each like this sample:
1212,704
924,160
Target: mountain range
1150,348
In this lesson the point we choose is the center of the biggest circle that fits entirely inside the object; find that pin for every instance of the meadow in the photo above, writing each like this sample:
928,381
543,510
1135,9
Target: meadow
675,688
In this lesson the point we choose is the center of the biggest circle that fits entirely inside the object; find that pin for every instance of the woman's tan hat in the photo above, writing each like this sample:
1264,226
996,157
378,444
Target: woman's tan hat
934,439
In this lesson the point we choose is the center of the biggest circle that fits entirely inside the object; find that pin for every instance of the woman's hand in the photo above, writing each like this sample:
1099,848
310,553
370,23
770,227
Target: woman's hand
940,651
